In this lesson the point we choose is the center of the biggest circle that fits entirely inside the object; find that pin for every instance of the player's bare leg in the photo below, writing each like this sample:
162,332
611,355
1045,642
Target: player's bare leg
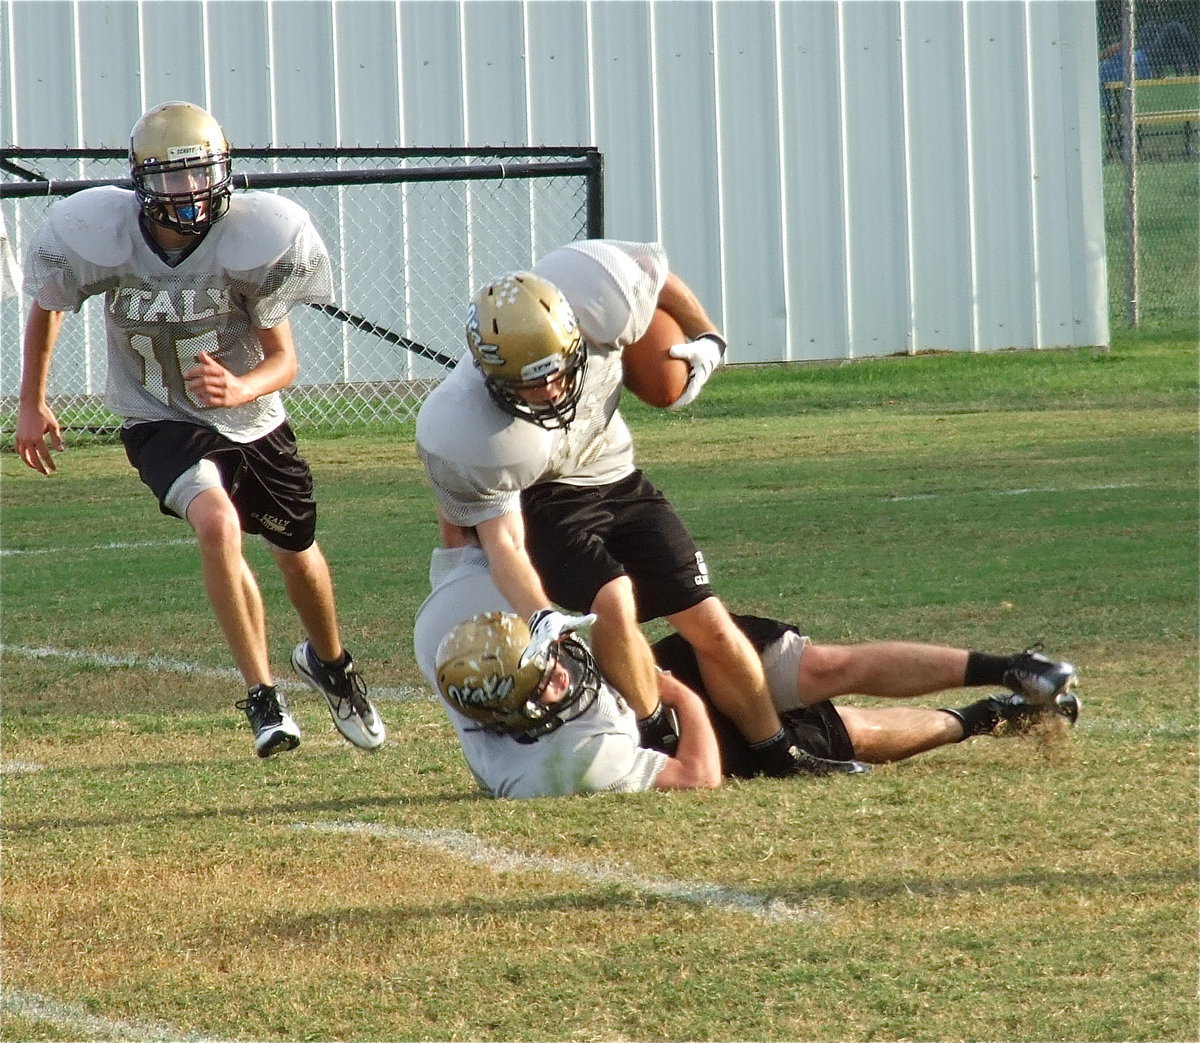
621,648
895,669
230,585
322,661
237,603
896,732
309,587
731,669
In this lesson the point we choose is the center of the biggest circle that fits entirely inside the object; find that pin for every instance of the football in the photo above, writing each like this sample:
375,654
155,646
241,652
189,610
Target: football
651,373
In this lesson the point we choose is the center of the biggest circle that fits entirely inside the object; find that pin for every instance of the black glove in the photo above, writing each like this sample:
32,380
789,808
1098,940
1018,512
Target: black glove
660,731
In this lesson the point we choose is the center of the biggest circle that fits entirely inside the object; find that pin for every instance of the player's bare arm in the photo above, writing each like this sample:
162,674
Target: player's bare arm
37,426
211,384
697,760
456,535
503,541
678,300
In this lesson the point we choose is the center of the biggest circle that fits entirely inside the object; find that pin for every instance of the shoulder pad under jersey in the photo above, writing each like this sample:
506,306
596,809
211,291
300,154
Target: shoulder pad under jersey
97,224
259,228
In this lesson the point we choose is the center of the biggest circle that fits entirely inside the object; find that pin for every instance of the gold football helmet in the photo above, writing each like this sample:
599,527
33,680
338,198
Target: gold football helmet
479,673
524,337
179,162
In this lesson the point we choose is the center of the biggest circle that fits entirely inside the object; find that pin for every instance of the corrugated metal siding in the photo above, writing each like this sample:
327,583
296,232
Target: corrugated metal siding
939,222
837,178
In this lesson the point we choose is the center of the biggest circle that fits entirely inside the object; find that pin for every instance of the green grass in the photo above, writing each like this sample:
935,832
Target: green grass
1175,94
1169,239
155,872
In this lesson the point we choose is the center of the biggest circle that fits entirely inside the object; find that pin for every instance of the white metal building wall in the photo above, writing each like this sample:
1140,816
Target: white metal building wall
837,178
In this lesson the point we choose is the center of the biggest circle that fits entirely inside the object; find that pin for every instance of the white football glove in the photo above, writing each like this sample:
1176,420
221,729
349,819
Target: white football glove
547,626
703,355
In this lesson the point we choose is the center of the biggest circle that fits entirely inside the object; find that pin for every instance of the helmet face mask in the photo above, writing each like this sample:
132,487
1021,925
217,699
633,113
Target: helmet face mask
179,163
526,342
479,674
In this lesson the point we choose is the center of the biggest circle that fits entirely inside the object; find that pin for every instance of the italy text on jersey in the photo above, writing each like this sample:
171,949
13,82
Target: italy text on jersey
159,317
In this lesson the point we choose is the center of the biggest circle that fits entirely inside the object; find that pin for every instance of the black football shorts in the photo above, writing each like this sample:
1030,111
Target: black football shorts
268,481
816,729
582,537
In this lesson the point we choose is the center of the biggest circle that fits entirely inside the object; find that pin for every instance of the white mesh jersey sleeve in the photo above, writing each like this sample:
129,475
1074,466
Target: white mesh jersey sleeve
82,248
274,256
477,457
159,316
612,286
597,751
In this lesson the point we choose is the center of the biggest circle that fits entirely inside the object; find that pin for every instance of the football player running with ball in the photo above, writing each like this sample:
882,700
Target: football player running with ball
527,453
198,284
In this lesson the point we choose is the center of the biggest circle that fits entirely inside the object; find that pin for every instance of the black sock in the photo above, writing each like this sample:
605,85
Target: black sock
985,668
773,756
979,718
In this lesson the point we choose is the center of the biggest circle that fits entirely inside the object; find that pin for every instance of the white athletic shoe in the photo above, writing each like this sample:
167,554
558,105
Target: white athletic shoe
346,693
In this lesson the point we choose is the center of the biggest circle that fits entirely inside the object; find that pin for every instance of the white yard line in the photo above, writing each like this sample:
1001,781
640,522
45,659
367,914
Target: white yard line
1011,492
161,664
19,767
83,1025
500,859
9,551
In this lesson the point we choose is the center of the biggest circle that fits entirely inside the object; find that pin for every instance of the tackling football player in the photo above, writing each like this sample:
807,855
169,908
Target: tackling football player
550,725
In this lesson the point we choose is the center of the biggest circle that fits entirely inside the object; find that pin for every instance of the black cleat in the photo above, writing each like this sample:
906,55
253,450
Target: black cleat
1020,714
809,764
267,711
785,759
1038,679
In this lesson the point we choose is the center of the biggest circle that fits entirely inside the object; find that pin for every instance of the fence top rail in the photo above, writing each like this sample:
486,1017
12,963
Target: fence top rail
321,151
1170,116
303,178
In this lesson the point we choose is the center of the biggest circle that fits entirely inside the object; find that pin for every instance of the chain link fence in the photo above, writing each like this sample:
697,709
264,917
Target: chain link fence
412,234
1149,83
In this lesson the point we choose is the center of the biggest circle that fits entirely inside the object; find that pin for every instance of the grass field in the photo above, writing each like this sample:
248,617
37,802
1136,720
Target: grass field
160,882
1169,229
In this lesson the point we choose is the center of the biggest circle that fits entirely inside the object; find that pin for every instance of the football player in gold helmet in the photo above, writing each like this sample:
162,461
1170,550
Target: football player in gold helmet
198,287
484,674
526,451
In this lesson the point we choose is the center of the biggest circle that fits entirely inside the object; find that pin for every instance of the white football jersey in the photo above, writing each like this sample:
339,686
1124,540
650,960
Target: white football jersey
254,265
479,458
597,751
